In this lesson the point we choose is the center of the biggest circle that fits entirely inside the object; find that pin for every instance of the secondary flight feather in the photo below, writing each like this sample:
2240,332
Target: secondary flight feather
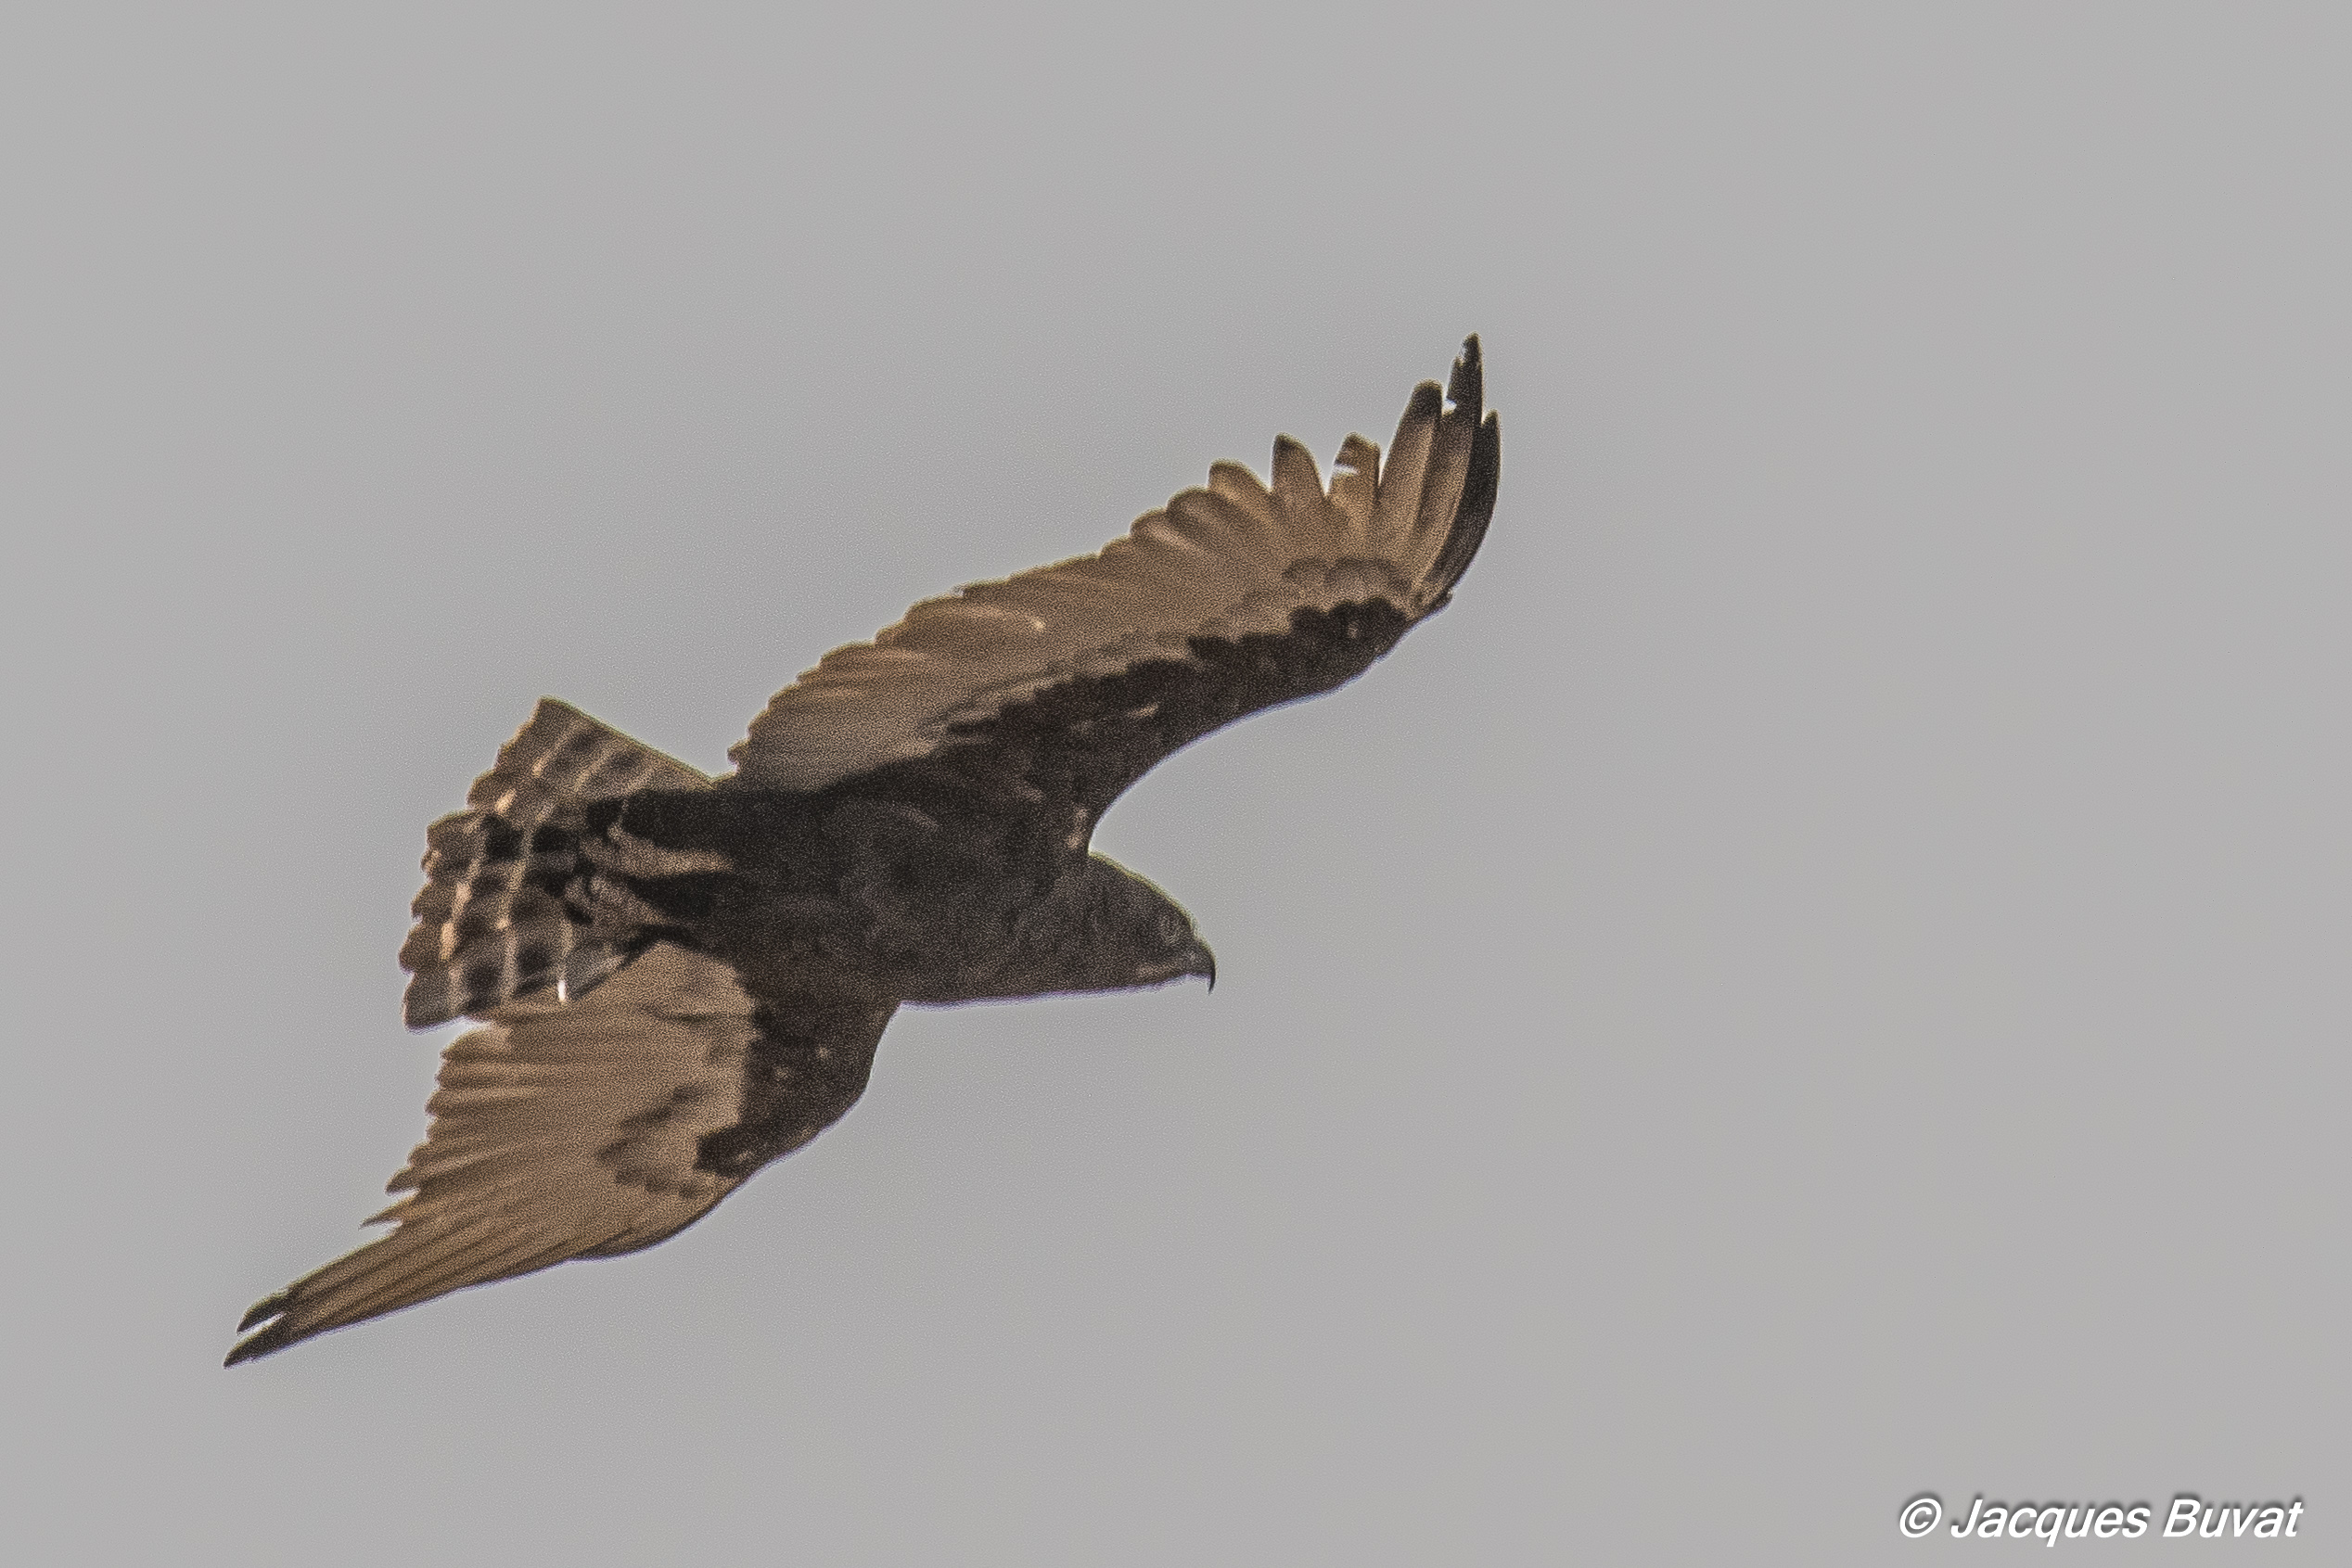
682,979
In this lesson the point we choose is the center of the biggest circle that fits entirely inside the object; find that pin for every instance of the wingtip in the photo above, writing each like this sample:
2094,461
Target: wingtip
1466,386
1475,507
1429,401
262,1311
268,1316
257,1345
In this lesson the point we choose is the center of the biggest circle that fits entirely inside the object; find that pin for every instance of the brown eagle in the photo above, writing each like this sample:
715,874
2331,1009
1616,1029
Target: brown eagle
681,978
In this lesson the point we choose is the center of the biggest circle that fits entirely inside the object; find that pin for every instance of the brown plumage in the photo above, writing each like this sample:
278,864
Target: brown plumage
683,978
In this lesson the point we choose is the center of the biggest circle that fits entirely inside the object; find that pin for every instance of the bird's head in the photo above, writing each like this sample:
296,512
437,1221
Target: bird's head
1137,935
1175,952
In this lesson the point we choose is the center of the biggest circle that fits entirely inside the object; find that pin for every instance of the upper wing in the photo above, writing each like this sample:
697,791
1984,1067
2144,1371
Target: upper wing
590,1128
1231,599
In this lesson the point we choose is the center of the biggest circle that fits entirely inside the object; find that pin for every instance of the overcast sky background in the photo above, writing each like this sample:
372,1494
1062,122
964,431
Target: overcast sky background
1821,978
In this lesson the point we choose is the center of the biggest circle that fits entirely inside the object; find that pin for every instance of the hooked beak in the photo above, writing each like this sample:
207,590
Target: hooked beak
1196,960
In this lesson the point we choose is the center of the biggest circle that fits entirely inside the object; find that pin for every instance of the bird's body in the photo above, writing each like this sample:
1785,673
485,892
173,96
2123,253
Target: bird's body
683,979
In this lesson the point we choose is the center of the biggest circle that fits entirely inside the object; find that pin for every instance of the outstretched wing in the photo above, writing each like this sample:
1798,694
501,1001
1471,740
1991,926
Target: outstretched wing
1231,599
591,1128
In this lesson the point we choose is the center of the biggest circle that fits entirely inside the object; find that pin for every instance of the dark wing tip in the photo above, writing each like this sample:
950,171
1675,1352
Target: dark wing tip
266,1309
1466,390
1466,386
277,1312
277,1336
1429,401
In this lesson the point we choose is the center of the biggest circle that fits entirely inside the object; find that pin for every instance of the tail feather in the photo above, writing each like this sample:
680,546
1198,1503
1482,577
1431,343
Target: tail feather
492,922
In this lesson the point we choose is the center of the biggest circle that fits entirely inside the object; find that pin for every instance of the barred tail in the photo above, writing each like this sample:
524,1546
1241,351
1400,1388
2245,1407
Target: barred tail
493,922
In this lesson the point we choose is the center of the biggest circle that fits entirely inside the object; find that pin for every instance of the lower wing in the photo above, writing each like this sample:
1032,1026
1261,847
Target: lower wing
590,1128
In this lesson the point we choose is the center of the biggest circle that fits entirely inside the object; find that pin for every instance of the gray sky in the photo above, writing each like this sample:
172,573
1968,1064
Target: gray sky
1821,978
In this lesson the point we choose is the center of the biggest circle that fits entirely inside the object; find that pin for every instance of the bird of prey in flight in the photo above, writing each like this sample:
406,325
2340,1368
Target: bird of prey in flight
679,978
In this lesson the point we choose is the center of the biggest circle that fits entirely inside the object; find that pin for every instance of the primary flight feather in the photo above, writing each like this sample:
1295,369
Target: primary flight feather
681,978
